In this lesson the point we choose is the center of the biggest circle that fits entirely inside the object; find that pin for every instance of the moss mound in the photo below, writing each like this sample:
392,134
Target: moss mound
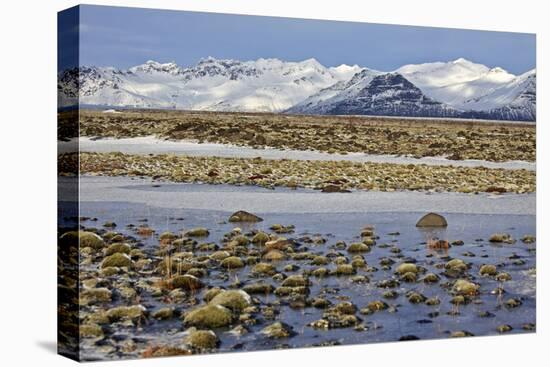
209,316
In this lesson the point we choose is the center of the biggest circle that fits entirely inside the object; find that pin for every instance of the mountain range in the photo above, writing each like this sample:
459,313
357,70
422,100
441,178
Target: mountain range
459,88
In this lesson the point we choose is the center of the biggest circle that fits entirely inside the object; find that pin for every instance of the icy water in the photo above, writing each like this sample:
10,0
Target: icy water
336,217
152,145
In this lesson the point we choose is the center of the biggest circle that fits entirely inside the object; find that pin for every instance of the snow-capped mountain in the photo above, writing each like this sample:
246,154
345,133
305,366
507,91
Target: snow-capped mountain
226,85
385,94
458,88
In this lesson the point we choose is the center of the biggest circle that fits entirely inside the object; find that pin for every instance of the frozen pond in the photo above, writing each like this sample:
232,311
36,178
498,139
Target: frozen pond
333,217
152,145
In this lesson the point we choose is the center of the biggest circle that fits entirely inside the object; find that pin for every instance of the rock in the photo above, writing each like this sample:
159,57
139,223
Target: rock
258,288
242,216
280,243
358,248
504,328
455,268
280,229
320,272
287,291
407,268
375,306
122,248
186,282
458,300
274,255
238,330
209,316
344,269
430,278
91,296
197,232
133,313
220,255
528,239
202,339
415,297
460,334
260,238
409,277
235,300
500,238
433,301
82,239
512,303
465,288
277,330
264,269
165,351
119,260
432,220
232,262
295,281
488,269
109,271
503,277
90,331
211,293
164,313
320,260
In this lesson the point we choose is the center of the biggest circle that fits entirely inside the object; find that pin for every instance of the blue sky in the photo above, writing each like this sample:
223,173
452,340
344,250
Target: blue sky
124,37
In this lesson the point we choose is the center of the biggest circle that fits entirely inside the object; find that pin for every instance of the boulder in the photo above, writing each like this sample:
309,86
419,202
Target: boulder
432,220
82,239
202,339
209,316
242,216
235,300
117,259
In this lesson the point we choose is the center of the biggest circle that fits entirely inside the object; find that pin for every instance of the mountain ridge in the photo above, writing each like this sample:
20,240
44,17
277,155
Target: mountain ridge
458,88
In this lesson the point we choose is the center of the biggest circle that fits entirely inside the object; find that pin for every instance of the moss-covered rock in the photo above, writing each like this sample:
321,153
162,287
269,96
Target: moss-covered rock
264,269
220,255
197,232
232,262
274,255
430,278
488,269
260,238
203,339
209,317
82,239
407,268
186,282
90,331
358,247
164,313
258,288
377,305
235,300
109,271
415,297
277,330
500,238
465,288
122,248
117,259
503,277
90,296
344,269
126,313
295,281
